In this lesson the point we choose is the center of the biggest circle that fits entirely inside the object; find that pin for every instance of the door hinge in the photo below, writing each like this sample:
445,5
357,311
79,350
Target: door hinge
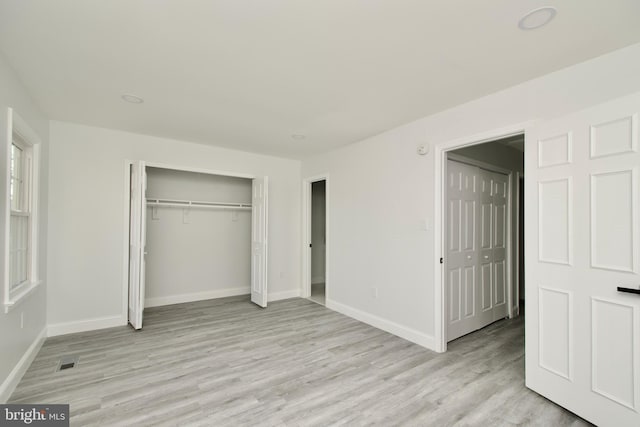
441,260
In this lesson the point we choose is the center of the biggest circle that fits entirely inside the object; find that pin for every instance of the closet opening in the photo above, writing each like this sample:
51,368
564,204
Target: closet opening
483,238
315,283
318,241
194,235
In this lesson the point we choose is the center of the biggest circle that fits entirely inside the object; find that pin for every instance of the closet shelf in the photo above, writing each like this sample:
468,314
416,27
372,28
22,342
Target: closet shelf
185,204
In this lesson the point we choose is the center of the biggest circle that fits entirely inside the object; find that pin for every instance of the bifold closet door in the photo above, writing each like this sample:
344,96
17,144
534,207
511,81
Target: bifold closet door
462,251
137,238
259,241
476,248
500,194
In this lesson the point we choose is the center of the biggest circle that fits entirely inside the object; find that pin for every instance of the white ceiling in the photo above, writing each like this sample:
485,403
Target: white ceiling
249,74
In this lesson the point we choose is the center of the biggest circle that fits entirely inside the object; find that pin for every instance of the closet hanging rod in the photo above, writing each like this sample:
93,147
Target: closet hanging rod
152,201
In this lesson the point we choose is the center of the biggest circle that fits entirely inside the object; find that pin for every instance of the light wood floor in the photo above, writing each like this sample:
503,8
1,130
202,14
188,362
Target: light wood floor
318,293
228,362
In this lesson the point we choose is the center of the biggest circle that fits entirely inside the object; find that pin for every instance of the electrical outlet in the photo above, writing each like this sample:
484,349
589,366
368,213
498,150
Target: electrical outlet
375,292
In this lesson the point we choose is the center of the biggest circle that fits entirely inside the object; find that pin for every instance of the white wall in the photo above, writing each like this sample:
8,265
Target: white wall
382,192
318,227
14,340
210,256
87,215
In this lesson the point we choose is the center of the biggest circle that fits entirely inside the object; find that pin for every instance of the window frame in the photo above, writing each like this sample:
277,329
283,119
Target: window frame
23,137
22,207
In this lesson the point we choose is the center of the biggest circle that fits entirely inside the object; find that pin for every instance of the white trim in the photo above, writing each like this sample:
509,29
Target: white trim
16,124
84,325
409,334
509,245
516,249
125,243
20,294
196,296
34,195
13,379
277,296
20,126
307,280
440,157
7,213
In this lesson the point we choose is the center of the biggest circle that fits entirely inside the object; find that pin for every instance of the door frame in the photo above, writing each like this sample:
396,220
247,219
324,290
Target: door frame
440,154
516,249
509,258
126,192
306,235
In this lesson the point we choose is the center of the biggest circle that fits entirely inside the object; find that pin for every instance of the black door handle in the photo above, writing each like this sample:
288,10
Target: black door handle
629,290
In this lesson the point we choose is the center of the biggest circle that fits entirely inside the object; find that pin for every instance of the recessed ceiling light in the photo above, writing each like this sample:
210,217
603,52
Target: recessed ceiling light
298,136
132,99
537,18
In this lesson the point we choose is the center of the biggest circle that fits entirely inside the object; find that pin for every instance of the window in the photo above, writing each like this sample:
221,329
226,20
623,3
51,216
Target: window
21,273
19,248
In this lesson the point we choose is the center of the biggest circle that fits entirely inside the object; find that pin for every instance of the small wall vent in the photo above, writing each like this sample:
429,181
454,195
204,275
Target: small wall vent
67,362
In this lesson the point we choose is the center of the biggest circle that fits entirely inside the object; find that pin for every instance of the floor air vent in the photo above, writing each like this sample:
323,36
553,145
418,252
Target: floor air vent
67,362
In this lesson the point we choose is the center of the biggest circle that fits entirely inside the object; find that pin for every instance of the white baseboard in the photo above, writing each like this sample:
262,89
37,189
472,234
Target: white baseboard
408,334
109,322
85,325
276,296
14,377
196,296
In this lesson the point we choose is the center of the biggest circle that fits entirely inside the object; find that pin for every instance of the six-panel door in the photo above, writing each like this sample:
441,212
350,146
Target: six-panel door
477,212
582,236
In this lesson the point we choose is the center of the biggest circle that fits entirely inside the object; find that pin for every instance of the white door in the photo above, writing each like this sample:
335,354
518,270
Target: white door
259,242
137,238
498,256
462,249
582,242
486,227
476,248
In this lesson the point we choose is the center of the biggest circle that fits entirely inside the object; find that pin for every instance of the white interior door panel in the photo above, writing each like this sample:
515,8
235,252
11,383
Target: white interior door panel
582,242
259,242
476,263
137,238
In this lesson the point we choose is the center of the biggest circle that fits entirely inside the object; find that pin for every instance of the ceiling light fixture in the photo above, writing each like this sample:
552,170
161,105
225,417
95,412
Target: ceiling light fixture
133,99
537,18
298,136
